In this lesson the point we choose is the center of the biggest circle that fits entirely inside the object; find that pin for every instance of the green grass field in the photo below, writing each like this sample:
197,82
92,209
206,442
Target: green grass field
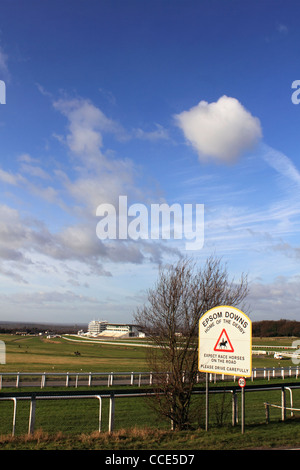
39,354
73,424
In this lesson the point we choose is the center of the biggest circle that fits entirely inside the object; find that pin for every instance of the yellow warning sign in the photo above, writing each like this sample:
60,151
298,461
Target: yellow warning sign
225,342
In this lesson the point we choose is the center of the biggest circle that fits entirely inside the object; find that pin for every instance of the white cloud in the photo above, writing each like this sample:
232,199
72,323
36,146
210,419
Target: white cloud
275,300
27,244
29,248
99,176
10,178
25,157
282,28
158,134
221,130
30,245
87,124
281,163
35,171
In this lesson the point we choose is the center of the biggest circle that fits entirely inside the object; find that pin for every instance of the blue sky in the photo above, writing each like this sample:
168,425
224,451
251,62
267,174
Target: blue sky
176,101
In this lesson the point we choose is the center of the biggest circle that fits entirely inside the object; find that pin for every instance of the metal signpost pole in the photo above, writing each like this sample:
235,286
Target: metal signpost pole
242,384
243,411
207,402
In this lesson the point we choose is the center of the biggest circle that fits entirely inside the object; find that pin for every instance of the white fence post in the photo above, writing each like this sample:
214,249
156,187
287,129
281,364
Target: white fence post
14,416
111,420
100,412
283,404
32,414
43,380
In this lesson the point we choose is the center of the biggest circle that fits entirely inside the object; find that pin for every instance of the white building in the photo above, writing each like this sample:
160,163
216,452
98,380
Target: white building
114,330
96,327
119,329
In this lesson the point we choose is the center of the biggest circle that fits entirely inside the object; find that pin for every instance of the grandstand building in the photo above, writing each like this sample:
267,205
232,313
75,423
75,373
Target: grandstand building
102,328
119,329
96,327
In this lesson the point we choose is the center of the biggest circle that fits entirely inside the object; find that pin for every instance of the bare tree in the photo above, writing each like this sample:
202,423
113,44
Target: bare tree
182,294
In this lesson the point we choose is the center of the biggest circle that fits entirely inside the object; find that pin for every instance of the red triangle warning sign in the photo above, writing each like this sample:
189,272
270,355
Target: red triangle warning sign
223,344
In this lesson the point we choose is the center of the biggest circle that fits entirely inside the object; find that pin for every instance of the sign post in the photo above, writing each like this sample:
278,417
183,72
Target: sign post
206,401
225,344
242,384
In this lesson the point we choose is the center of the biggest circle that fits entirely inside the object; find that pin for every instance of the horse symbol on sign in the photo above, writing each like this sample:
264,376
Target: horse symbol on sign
223,343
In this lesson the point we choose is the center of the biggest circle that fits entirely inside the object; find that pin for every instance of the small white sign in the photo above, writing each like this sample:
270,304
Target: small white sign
225,342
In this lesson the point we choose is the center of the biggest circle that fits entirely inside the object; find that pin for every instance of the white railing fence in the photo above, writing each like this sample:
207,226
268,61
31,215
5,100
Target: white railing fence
77,379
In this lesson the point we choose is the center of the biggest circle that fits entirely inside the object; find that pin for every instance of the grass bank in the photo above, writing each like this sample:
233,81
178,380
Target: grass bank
275,436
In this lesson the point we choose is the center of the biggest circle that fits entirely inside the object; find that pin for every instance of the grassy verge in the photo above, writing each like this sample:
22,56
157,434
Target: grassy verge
275,436
73,424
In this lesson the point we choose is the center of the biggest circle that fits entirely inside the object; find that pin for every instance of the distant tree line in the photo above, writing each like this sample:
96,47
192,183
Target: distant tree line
264,328
273,328
34,329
